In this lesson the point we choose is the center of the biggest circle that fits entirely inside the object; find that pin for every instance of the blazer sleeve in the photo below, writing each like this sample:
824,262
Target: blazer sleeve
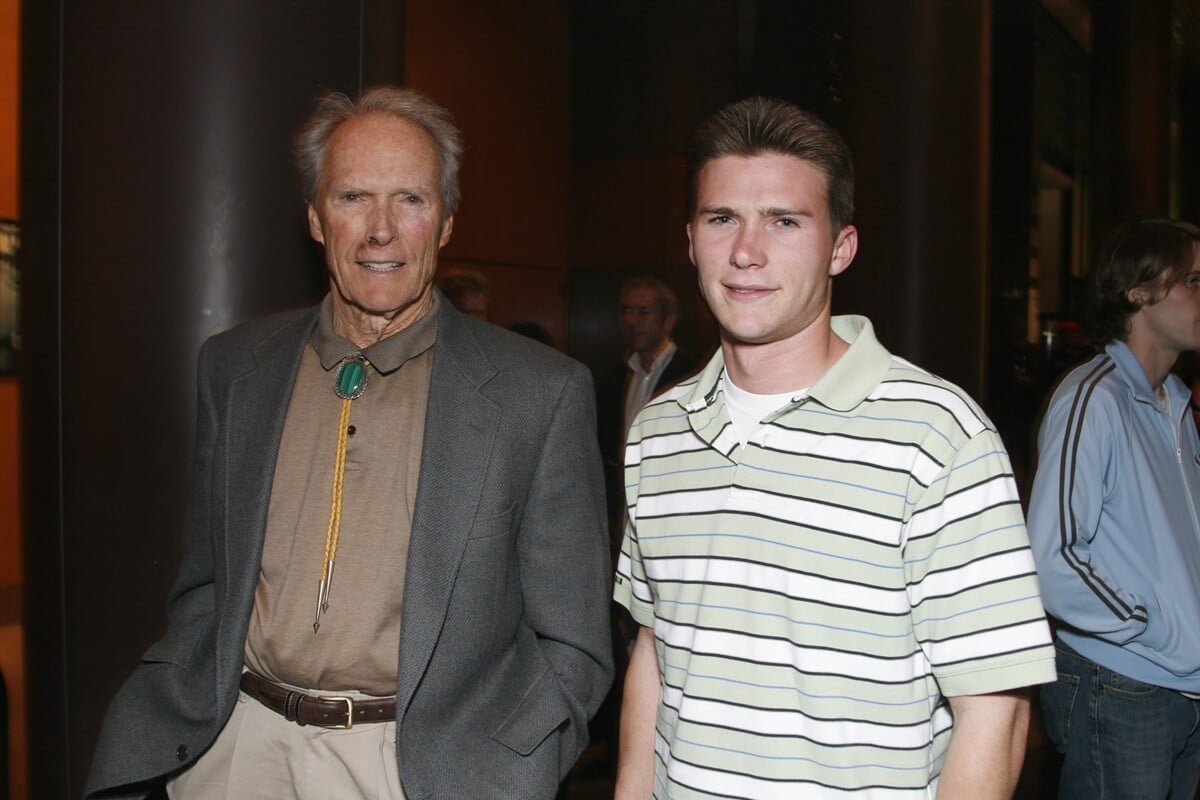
192,595
564,558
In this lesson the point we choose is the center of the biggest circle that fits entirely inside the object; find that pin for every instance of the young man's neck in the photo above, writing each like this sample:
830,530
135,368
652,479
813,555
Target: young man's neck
1155,357
1156,362
794,363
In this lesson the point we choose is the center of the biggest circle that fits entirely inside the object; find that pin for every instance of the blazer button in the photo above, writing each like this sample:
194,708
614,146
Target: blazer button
181,752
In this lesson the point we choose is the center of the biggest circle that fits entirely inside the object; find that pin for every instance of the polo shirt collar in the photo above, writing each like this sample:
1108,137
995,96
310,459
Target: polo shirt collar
388,354
861,368
708,382
843,387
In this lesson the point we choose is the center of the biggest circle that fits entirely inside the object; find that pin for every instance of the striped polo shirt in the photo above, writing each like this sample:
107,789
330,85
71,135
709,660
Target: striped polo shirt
816,594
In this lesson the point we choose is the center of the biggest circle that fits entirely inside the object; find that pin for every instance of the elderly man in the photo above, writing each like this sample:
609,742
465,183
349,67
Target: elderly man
447,469
824,548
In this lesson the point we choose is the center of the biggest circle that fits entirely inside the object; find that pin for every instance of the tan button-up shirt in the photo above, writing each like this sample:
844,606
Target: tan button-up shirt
357,644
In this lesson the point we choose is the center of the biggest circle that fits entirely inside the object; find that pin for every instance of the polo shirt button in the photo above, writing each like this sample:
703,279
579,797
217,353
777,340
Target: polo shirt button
181,752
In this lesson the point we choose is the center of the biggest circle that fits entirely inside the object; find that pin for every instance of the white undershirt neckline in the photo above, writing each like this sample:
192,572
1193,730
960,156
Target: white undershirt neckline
747,410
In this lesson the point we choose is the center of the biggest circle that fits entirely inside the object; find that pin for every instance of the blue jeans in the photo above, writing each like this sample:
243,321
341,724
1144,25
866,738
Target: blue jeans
1121,739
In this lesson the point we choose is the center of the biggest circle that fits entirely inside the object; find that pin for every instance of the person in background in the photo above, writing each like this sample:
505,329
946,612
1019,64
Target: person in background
824,546
468,290
447,467
1113,521
652,362
649,311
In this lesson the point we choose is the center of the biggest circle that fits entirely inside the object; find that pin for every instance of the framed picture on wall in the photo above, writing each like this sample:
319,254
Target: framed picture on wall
10,285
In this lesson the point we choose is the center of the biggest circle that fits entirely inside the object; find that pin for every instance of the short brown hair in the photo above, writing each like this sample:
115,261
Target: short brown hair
1151,253
760,125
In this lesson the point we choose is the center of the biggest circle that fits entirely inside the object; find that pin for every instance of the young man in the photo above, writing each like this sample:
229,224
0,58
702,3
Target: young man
1113,521
824,542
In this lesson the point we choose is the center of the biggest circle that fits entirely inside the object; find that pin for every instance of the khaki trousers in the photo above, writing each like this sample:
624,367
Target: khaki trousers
261,755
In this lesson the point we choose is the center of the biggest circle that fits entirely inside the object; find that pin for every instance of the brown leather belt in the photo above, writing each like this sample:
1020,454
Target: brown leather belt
325,711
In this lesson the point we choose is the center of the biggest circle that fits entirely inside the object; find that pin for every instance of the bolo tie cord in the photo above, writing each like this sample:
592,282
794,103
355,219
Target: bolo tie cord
349,384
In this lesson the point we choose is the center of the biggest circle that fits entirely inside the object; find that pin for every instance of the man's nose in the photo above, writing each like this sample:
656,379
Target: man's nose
747,251
381,226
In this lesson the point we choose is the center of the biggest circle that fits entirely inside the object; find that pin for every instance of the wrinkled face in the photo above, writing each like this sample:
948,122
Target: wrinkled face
644,326
1172,324
378,212
764,250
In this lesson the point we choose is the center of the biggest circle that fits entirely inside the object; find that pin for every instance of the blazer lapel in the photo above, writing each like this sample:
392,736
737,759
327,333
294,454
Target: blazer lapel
256,407
460,431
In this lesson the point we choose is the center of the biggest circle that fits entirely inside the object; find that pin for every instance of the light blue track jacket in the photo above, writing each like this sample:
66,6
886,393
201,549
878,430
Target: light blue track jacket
1113,521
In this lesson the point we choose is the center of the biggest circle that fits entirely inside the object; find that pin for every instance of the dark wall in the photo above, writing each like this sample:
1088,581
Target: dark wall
160,207
643,75
1132,89
917,94
906,83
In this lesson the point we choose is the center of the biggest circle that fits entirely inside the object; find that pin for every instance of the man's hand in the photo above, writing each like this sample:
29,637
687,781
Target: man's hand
987,746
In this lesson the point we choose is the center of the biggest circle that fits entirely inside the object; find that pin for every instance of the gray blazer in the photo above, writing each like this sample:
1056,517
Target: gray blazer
504,647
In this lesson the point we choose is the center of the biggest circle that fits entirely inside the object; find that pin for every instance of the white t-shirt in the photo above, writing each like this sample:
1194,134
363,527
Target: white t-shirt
747,409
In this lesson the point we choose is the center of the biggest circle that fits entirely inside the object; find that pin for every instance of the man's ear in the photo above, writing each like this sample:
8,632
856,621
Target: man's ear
314,225
447,229
844,248
691,250
1139,296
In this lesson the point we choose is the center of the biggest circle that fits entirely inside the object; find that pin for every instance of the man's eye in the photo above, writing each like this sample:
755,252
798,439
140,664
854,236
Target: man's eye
788,222
719,219
351,196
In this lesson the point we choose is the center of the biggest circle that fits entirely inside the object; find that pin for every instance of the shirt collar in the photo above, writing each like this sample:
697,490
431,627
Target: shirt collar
861,368
847,383
664,355
388,354
1131,372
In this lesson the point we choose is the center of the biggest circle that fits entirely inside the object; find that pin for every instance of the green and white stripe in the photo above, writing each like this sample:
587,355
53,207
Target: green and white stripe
817,593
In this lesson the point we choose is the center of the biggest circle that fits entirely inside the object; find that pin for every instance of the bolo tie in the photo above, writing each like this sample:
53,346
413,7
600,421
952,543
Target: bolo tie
349,382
